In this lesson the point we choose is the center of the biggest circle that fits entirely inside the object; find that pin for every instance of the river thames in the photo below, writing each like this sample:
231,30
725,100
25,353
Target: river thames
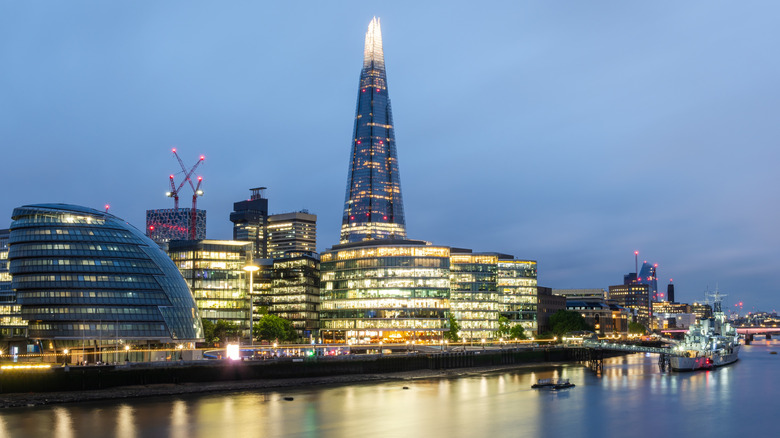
630,398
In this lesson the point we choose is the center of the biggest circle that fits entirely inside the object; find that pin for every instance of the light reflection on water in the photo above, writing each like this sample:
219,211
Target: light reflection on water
630,397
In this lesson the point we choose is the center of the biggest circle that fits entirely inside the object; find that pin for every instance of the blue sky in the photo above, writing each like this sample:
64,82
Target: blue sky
568,132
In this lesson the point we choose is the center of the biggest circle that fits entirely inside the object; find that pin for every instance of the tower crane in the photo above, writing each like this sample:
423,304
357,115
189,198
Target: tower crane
196,191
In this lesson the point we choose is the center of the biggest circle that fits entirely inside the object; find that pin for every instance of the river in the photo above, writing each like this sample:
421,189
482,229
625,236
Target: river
630,398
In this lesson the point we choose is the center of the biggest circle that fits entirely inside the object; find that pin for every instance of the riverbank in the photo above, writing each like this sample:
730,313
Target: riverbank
21,400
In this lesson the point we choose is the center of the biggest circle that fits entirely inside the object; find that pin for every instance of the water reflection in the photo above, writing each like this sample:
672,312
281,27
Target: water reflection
629,398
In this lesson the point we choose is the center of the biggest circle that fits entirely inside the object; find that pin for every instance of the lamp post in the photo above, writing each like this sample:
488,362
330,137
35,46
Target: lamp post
251,269
127,353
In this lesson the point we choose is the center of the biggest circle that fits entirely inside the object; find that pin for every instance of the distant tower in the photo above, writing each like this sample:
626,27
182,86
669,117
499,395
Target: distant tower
373,207
670,292
250,219
647,275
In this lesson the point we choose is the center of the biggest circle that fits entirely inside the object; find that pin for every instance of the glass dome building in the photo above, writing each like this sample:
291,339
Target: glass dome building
86,276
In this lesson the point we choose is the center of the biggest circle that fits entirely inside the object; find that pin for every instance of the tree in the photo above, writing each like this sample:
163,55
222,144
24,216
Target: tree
635,327
517,332
452,334
221,331
274,328
504,327
564,321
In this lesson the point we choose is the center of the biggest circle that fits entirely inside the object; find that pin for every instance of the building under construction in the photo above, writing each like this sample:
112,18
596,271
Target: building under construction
164,225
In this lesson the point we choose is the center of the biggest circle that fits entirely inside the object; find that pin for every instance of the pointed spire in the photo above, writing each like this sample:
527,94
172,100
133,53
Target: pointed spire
373,54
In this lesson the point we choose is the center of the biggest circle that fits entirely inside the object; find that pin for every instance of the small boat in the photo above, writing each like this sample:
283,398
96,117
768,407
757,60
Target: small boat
553,383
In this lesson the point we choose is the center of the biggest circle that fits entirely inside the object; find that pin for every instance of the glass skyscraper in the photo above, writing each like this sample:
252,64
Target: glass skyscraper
373,208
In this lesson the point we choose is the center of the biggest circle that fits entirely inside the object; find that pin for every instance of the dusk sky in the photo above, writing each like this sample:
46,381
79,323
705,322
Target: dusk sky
568,132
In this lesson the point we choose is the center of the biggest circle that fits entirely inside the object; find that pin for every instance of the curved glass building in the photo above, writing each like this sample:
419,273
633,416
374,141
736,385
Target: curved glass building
85,275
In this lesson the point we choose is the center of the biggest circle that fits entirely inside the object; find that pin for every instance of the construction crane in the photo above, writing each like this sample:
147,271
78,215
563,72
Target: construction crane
196,191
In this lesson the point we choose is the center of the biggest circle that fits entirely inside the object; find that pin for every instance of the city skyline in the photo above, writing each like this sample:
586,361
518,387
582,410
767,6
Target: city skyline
570,134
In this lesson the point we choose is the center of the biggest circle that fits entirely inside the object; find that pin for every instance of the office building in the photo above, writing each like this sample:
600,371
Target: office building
547,305
249,219
292,233
597,295
373,206
295,293
12,326
516,285
597,314
702,310
214,271
648,276
670,292
86,279
384,290
635,297
168,224
474,294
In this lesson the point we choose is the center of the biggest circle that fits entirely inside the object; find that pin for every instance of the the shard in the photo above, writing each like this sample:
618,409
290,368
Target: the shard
373,208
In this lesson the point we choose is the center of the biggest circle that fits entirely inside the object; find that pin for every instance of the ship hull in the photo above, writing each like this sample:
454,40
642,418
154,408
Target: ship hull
702,363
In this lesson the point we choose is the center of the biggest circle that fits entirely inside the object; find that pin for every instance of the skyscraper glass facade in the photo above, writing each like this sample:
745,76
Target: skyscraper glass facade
473,294
295,293
169,224
214,270
11,323
517,293
384,292
373,208
83,274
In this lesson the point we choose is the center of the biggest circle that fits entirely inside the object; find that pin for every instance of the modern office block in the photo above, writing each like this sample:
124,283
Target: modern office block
474,294
295,293
384,290
214,271
85,278
169,224
373,207
635,297
516,282
12,326
249,219
289,233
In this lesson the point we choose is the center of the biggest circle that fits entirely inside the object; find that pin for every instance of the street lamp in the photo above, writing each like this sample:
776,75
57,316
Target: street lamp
127,353
65,353
251,269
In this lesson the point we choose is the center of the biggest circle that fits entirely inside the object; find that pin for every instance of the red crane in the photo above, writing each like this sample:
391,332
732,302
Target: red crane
196,191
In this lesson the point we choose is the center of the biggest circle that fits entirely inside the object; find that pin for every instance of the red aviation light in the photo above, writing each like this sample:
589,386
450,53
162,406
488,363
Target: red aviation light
200,178
173,150
171,177
363,90
636,252
358,141
352,218
202,157
384,217
377,90
151,227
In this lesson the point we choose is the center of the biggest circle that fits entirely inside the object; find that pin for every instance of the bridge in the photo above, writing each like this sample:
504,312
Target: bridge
748,333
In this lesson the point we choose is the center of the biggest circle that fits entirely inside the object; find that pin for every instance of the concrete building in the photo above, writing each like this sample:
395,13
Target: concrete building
635,297
291,233
599,295
548,305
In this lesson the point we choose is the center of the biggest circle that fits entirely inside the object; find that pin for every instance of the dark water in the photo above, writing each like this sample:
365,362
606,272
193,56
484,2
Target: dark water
630,399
